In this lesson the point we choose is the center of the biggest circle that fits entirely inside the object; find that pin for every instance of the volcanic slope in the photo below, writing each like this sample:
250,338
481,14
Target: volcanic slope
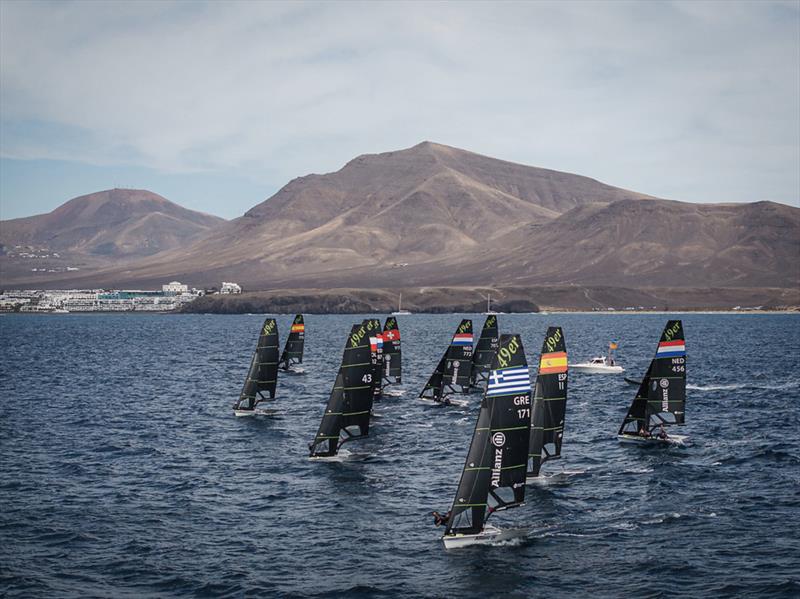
429,204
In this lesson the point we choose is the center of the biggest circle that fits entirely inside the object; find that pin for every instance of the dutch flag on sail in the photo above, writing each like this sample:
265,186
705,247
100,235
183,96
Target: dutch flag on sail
462,339
671,349
509,381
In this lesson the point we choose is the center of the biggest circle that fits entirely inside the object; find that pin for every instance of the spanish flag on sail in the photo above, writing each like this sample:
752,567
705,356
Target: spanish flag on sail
298,328
553,363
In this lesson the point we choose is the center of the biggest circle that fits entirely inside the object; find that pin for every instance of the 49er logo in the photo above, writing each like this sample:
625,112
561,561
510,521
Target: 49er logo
672,332
356,338
465,327
552,341
269,326
505,353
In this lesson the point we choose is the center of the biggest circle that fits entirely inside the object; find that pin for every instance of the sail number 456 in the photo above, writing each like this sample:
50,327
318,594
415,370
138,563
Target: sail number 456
678,364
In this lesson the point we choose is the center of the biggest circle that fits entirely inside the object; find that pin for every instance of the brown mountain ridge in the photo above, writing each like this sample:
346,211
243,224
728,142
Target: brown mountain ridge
433,215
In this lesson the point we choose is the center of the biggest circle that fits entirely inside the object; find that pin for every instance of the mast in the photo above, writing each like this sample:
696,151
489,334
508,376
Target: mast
493,478
661,397
293,351
454,371
373,327
485,350
549,401
392,363
347,414
262,377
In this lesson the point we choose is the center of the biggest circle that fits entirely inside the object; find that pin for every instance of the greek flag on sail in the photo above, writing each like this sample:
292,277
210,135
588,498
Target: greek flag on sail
509,381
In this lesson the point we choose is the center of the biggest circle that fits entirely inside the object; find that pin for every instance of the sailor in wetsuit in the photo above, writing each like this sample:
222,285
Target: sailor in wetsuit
643,432
439,519
662,434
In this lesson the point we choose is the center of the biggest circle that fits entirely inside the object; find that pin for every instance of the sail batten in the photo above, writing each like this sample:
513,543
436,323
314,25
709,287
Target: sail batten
262,377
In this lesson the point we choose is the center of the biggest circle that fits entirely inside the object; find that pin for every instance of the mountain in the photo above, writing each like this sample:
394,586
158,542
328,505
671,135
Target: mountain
436,216
97,230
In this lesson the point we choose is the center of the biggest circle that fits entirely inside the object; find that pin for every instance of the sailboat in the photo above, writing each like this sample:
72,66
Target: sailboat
293,351
373,327
493,478
489,305
347,414
549,402
661,398
454,371
392,363
262,377
400,310
485,350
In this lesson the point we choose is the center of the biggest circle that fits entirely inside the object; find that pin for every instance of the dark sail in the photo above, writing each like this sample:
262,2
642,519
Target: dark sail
262,377
293,351
373,326
493,478
347,414
485,350
661,397
392,365
454,371
549,401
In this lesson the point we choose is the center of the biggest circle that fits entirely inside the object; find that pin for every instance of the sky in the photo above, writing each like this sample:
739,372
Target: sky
217,105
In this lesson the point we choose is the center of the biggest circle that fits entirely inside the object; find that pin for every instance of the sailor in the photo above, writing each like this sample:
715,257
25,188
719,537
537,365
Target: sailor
441,520
662,434
643,432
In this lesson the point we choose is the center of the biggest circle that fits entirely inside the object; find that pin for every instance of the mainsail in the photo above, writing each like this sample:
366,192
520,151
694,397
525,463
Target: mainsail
549,401
263,374
293,352
347,414
373,326
485,350
454,371
661,398
493,478
392,365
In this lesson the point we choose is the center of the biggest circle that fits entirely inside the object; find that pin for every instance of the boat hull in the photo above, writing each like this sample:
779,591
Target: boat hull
461,403
488,536
256,412
637,440
595,369
342,456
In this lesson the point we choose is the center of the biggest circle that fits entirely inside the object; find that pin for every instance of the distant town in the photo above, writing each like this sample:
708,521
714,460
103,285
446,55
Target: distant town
171,297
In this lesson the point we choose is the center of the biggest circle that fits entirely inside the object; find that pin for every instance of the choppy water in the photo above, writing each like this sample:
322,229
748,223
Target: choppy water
124,472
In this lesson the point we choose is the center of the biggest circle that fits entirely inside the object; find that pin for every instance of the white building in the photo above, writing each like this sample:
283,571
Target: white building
175,287
230,288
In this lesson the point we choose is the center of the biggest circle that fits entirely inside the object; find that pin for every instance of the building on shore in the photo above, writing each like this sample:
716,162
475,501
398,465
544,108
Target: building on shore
230,288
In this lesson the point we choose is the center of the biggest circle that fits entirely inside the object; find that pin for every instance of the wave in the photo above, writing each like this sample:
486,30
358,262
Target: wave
735,386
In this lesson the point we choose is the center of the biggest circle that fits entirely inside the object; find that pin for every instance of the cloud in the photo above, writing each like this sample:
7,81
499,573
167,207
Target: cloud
694,101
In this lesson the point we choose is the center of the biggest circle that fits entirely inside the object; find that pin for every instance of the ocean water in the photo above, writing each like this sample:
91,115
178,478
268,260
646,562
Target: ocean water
124,473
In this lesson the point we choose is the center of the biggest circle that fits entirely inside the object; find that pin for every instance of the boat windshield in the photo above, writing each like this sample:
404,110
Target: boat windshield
600,361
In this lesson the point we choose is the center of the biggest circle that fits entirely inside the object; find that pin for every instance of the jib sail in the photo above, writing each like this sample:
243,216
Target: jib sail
392,365
262,378
454,371
373,326
493,478
347,414
293,351
549,401
661,397
485,350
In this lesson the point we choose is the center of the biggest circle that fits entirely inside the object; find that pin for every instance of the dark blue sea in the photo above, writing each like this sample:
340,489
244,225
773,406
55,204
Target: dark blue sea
125,473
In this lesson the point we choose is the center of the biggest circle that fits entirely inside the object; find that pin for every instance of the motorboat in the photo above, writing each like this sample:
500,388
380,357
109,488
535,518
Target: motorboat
598,365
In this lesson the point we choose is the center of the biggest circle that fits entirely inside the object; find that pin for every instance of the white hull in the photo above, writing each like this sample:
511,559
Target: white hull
637,440
393,392
256,412
342,456
543,479
595,369
488,536
400,313
461,403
